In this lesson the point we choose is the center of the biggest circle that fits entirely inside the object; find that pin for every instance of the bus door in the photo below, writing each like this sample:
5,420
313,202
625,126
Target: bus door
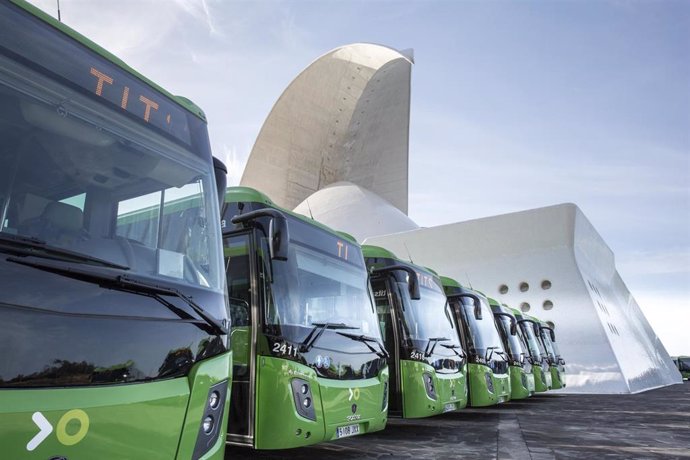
384,299
238,269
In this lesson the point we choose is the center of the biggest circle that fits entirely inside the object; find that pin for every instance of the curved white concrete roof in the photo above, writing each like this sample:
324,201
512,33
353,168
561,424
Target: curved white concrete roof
344,118
605,339
355,210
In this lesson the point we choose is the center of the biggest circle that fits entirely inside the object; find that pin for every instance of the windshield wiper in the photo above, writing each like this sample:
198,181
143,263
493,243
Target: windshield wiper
127,284
454,347
366,340
503,355
316,332
435,341
36,247
490,352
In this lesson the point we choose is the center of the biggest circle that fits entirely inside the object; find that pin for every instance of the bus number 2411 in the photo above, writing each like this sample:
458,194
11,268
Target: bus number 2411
284,349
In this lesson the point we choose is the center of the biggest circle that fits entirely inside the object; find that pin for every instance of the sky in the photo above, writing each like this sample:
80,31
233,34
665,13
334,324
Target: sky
530,103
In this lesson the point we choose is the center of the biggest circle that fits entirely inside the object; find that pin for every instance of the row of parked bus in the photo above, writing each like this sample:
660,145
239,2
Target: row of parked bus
147,312
330,338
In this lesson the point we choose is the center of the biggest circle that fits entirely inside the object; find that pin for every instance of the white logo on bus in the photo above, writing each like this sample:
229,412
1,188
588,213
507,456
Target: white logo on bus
66,439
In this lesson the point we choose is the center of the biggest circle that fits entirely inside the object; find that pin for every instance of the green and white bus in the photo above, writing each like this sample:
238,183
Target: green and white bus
521,377
556,361
530,329
427,362
112,295
683,365
309,364
487,361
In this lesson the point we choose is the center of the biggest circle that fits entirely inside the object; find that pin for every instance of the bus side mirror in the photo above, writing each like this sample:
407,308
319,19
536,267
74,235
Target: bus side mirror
553,335
513,327
278,232
477,310
413,287
412,281
278,238
220,171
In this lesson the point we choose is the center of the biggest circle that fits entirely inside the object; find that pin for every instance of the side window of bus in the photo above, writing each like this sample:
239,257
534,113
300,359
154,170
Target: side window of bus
137,219
77,201
383,308
267,300
172,221
57,222
236,251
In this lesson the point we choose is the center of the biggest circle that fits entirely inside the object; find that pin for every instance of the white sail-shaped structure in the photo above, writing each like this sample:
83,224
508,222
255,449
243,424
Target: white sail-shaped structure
344,118
552,263
335,147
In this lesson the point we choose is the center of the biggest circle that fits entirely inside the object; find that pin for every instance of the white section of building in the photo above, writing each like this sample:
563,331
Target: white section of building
345,117
555,266
343,204
335,146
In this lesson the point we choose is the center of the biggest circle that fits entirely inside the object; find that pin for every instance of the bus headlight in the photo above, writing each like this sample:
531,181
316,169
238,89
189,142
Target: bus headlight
489,382
429,385
384,406
209,428
301,393
207,424
214,400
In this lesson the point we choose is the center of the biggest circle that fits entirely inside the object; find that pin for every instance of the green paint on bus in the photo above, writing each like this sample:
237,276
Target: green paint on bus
310,365
113,295
488,362
427,363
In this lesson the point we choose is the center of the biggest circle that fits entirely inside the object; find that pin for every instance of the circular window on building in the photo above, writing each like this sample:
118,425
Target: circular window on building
551,325
524,306
546,284
524,287
503,289
548,305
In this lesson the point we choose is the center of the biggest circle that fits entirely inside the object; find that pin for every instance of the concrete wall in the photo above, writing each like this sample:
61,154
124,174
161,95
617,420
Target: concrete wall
602,333
345,117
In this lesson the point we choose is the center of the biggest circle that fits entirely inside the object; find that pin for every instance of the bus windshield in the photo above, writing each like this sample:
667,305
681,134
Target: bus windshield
548,344
532,342
514,346
429,318
684,364
79,178
483,339
314,287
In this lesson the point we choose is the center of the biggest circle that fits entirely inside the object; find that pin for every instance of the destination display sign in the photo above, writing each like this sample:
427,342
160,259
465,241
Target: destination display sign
92,73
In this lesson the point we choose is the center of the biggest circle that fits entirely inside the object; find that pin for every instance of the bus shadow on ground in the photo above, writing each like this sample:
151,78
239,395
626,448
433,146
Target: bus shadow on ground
647,425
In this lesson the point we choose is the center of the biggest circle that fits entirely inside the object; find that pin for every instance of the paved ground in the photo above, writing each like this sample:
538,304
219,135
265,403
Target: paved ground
655,424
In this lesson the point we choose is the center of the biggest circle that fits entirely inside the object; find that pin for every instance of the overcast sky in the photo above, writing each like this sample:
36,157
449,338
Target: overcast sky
515,105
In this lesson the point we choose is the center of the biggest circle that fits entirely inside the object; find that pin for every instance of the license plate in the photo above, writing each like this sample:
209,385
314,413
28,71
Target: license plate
347,430
449,407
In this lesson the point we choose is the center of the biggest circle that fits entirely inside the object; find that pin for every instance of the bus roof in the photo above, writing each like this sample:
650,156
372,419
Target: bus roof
450,282
378,252
452,288
241,194
45,17
517,313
